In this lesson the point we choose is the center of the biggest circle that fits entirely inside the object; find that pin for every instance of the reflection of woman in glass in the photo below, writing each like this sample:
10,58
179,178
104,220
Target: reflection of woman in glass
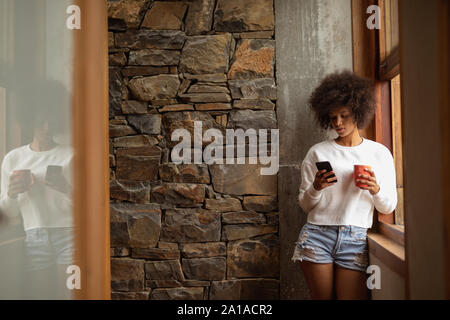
36,182
332,245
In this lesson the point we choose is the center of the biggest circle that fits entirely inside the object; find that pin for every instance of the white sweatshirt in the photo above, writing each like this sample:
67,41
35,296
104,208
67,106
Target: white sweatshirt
343,203
41,206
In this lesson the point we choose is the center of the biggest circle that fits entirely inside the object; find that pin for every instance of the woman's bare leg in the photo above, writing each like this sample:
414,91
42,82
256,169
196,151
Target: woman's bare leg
351,284
36,284
320,279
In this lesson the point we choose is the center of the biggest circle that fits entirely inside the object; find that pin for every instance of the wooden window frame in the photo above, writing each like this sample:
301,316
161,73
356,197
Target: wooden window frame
370,61
414,274
386,240
388,67
389,63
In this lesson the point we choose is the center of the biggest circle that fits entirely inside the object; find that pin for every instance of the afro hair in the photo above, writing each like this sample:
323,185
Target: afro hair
344,89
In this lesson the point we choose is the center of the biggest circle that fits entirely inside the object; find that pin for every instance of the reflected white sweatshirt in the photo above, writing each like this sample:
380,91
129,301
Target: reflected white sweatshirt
41,206
343,203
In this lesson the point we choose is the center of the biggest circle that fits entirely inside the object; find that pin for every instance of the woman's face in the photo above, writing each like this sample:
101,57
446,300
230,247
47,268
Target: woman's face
342,120
43,131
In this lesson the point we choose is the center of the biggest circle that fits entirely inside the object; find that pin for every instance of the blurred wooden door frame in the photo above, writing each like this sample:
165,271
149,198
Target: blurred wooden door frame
425,73
90,123
444,26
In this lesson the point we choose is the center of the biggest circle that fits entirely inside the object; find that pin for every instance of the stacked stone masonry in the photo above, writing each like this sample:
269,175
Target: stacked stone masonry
190,231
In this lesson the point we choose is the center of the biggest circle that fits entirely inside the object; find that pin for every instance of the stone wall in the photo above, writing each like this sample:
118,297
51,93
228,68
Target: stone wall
190,231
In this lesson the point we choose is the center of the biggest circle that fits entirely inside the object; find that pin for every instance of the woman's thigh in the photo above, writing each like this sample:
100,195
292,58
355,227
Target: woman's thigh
351,284
319,277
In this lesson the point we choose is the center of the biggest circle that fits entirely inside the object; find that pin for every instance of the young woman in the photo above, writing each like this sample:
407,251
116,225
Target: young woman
332,245
42,198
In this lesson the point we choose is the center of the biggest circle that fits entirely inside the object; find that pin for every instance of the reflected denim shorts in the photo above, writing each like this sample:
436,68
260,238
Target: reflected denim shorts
49,246
346,246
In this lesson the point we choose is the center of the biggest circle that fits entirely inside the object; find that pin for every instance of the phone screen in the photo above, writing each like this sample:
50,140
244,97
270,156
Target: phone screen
325,165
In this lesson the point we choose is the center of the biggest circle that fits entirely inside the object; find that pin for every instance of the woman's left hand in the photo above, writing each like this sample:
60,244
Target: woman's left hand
370,181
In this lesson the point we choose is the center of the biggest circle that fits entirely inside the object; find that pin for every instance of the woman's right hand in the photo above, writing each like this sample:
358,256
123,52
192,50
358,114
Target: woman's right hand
17,185
323,180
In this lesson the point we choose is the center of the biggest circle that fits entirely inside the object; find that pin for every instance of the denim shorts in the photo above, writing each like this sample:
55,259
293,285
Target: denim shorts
46,247
346,246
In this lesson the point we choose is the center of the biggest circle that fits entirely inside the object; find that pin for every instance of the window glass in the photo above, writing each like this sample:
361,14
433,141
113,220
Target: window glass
397,145
392,26
36,208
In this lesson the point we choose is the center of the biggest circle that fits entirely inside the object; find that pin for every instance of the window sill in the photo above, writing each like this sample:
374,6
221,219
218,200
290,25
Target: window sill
388,251
394,232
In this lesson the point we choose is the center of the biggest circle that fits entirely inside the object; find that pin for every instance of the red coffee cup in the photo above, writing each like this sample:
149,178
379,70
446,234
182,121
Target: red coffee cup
359,169
25,175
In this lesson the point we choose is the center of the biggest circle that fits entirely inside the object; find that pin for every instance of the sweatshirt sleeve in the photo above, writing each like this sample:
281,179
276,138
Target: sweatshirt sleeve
8,206
385,200
308,196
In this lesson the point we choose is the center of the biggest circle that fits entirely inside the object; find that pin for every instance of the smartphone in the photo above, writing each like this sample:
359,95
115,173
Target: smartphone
325,165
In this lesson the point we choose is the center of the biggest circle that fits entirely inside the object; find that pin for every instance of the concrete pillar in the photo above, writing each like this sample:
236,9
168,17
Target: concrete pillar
313,38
